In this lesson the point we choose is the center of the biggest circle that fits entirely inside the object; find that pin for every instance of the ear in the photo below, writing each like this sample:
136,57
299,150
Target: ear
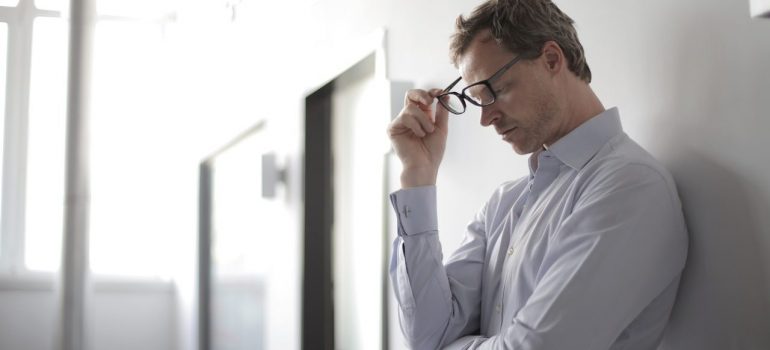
553,57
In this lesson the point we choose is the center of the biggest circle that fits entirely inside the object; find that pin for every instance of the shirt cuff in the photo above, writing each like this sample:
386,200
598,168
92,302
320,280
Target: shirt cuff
416,210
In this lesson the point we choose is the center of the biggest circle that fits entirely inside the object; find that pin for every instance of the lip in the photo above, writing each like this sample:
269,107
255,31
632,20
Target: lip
505,133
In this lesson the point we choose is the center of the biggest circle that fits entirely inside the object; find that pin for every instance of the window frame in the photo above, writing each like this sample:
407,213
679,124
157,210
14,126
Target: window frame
20,20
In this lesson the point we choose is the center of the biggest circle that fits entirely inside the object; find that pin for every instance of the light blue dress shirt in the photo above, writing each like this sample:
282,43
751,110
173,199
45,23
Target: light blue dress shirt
585,253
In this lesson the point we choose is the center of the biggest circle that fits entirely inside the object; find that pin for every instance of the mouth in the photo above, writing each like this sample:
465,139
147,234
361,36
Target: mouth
507,132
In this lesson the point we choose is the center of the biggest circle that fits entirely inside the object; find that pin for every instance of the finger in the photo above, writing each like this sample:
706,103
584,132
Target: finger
418,96
442,115
435,92
413,125
407,123
421,117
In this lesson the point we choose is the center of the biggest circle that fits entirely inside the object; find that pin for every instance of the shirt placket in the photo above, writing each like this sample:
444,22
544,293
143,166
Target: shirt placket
515,214
544,175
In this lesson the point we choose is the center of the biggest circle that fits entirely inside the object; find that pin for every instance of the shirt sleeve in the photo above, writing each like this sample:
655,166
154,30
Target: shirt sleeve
624,244
437,303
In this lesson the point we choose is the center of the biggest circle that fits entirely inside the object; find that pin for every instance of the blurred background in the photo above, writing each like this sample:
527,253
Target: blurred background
234,167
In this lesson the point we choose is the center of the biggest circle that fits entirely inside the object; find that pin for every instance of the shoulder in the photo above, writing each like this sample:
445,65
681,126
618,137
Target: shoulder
622,164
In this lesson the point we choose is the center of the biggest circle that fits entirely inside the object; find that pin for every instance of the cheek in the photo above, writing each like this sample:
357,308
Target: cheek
525,106
540,108
523,100
515,108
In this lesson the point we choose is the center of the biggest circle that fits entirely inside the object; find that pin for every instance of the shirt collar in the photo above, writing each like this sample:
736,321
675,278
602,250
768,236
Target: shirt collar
581,144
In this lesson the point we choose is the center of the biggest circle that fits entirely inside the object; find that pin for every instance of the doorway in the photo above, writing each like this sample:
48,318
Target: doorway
346,235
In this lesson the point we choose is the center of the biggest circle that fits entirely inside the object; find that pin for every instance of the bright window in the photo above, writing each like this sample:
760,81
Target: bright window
135,167
55,5
46,145
134,211
11,3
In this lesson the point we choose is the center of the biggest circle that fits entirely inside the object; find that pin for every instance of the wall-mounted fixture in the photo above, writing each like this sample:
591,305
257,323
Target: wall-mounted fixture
760,8
272,175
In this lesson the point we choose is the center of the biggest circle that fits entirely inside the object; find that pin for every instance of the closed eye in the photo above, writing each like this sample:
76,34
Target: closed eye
503,88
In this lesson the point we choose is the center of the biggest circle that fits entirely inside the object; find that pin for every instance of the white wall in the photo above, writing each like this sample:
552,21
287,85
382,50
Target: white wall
28,319
137,316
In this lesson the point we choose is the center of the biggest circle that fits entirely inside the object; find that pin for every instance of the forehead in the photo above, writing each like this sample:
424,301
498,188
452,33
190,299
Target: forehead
482,58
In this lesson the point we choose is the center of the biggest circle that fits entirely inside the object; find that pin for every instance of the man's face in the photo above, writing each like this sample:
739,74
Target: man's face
526,112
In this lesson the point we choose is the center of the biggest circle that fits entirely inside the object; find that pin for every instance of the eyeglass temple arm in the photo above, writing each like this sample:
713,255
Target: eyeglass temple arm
452,84
505,68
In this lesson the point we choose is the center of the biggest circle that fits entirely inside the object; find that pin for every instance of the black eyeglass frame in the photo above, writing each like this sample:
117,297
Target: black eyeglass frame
486,82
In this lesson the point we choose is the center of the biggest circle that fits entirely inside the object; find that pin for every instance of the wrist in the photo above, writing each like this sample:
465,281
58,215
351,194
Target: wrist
416,177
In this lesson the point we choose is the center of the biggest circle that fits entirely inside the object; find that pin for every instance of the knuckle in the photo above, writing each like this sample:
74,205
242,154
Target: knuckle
416,94
405,113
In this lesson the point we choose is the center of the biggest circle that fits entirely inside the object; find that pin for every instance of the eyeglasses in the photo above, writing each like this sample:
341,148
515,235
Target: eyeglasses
480,93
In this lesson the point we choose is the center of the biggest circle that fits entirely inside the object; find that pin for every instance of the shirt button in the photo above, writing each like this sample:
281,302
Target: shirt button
498,308
510,251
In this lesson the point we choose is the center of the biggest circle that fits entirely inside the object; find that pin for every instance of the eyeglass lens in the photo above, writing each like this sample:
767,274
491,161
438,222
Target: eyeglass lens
480,94
454,104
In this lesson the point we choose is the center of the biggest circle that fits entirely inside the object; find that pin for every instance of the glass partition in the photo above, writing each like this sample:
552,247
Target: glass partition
249,291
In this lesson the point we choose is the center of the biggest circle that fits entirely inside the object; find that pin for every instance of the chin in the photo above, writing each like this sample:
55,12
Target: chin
527,149
520,151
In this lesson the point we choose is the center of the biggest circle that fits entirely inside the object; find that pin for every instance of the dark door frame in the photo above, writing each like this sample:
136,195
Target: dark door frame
317,289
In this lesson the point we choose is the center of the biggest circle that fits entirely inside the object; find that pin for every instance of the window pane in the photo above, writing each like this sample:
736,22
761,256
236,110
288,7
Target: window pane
10,3
56,5
243,261
138,189
3,57
46,148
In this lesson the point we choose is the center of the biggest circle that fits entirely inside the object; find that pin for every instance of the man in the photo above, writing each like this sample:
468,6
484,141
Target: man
584,253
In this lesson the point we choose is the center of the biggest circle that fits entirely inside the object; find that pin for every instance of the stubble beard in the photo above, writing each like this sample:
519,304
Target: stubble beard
543,125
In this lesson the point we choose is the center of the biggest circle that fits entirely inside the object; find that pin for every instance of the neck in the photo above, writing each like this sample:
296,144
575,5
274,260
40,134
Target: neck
581,104
585,105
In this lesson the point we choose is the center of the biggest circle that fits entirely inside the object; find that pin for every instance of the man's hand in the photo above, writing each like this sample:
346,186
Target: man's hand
419,137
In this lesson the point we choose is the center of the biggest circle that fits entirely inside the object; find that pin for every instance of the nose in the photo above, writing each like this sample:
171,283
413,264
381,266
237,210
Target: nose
489,116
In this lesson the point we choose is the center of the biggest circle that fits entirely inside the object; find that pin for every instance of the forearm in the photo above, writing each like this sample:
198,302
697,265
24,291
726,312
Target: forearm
421,286
437,302
418,275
